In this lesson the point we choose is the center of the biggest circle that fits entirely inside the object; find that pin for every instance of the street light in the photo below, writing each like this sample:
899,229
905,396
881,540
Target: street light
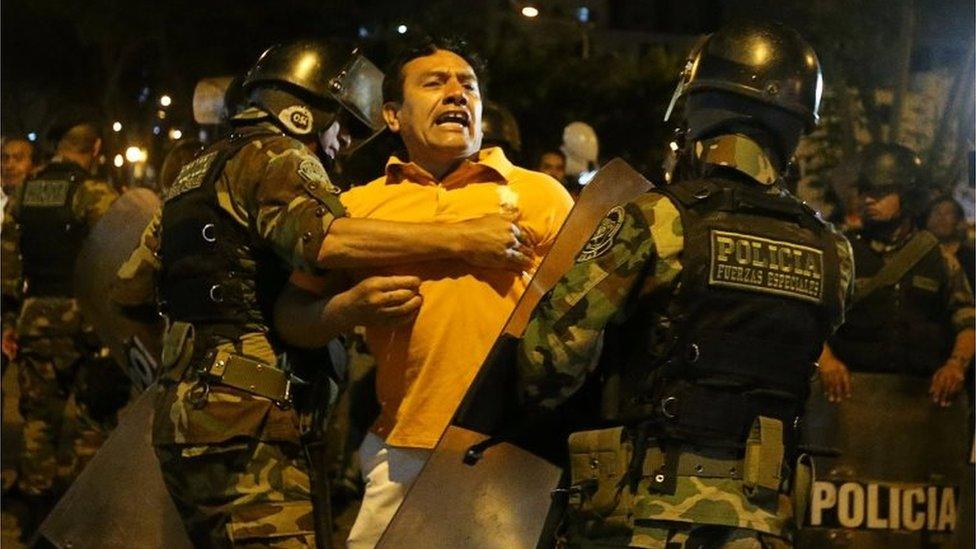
117,127
165,100
135,154
175,134
402,29
530,11
118,161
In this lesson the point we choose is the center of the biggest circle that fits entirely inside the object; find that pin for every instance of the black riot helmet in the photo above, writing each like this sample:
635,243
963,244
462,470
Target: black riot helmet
500,129
765,62
887,168
305,85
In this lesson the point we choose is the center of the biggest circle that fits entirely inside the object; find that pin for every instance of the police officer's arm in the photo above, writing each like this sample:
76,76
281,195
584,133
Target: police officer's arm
492,241
303,220
91,200
948,380
313,310
135,280
556,352
835,378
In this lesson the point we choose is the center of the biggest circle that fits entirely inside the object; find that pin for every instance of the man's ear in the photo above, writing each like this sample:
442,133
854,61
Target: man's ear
391,110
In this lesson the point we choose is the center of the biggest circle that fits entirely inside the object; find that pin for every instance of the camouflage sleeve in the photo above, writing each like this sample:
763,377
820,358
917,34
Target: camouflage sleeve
11,281
960,306
136,277
92,199
563,334
845,257
294,202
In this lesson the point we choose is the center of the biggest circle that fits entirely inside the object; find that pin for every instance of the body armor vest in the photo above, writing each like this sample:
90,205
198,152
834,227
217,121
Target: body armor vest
215,275
904,328
756,298
51,236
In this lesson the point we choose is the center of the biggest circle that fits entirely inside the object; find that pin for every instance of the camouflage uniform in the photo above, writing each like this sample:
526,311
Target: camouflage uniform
630,267
232,460
58,363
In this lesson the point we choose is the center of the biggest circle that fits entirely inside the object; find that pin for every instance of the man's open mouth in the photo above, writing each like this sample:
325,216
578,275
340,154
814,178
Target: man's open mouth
459,118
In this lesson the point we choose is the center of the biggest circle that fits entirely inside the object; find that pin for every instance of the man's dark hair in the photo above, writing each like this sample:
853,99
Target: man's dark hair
80,138
556,152
428,45
938,201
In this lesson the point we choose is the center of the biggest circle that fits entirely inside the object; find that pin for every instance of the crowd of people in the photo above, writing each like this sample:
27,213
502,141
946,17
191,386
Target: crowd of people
699,311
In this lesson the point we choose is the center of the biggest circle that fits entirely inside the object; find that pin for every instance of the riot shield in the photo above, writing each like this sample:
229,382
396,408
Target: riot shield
133,336
119,500
902,477
475,492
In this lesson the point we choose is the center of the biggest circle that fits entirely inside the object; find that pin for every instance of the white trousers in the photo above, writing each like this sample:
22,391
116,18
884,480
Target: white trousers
388,472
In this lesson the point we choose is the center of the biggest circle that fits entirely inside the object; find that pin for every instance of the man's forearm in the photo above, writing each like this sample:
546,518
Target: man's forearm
962,350
353,243
306,320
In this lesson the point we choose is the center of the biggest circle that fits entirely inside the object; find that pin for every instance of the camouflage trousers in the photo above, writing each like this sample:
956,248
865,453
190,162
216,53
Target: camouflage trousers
69,394
241,494
651,534
61,432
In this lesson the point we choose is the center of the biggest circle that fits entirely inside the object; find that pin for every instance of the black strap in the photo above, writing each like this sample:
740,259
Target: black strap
895,268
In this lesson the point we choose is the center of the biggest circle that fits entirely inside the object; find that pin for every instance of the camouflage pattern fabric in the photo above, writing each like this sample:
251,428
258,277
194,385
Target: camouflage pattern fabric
653,534
635,255
241,494
136,277
57,363
11,276
278,191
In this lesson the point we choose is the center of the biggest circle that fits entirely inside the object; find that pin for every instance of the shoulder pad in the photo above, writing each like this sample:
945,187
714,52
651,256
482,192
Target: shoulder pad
690,191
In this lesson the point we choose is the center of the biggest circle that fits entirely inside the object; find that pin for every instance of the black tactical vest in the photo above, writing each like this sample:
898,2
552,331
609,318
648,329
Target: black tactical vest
756,298
51,236
215,275
904,328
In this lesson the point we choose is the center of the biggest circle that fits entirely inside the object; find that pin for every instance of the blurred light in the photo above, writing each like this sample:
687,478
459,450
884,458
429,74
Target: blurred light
583,14
530,11
402,29
32,136
156,130
363,32
175,134
161,114
673,145
135,154
165,101
117,127
118,161
585,177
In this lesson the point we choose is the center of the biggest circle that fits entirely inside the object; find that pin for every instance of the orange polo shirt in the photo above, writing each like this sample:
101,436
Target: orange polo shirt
424,368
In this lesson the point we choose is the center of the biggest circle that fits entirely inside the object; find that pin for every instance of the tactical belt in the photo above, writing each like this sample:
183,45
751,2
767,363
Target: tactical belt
250,375
760,467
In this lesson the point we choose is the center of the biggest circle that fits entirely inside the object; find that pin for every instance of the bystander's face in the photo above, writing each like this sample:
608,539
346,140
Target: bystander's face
439,119
943,221
553,165
879,207
15,163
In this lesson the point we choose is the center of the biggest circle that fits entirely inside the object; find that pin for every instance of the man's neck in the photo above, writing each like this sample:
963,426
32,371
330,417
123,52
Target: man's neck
439,169
891,232
82,160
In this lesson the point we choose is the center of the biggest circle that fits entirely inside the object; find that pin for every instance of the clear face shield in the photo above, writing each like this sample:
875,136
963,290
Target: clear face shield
359,89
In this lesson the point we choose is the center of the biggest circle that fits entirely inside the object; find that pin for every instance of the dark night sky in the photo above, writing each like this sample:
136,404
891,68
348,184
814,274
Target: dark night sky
104,53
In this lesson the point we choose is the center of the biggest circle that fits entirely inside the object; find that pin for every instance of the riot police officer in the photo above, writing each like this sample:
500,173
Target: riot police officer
711,298
913,308
247,211
59,359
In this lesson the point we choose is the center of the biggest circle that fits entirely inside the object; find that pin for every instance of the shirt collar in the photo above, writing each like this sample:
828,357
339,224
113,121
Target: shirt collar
486,165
